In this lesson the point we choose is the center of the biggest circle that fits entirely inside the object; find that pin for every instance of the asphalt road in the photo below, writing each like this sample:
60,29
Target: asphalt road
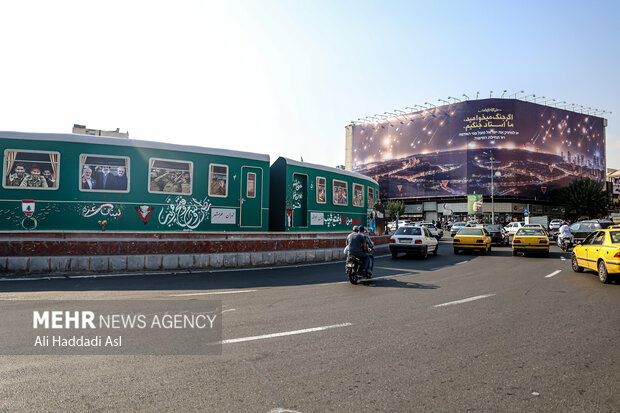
460,332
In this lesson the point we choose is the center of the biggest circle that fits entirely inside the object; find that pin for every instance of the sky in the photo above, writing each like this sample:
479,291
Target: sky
285,77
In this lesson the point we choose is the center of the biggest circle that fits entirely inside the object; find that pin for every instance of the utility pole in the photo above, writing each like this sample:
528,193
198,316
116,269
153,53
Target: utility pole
492,191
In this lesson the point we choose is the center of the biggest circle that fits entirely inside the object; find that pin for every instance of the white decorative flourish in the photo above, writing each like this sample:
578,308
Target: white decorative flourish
103,209
183,213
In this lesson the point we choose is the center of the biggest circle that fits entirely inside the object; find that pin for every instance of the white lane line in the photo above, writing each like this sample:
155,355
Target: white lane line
466,300
213,293
232,309
553,273
396,269
285,333
462,262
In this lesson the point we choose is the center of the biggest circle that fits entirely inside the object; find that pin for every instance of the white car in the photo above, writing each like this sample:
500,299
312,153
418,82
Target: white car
414,240
513,227
435,232
401,223
555,224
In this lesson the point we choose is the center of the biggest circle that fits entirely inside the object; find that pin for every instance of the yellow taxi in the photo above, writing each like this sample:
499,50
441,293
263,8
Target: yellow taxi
530,239
600,251
472,239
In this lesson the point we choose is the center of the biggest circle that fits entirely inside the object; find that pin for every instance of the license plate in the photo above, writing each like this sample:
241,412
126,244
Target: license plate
405,241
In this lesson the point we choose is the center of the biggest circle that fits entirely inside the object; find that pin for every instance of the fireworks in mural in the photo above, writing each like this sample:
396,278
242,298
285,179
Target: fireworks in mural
449,150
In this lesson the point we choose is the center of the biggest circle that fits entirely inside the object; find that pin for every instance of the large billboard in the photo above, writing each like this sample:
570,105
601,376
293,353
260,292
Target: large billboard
531,150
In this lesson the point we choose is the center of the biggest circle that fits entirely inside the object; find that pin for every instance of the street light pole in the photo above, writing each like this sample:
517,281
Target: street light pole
492,159
492,191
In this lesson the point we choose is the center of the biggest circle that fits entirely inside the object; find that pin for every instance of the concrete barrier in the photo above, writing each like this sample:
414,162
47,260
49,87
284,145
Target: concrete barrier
21,266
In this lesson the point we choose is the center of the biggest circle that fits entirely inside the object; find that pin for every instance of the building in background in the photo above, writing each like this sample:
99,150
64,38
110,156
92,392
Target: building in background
83,130
432,159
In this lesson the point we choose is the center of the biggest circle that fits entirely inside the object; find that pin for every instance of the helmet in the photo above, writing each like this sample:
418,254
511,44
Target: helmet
362,229
355,228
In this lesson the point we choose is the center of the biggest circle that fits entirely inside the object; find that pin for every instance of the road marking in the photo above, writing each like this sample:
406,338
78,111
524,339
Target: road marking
232,309
462,262
285,333
553,273
396,269
465,300
213,293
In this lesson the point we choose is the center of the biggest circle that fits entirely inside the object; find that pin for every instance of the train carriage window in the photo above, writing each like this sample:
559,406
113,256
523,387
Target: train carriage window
31,169
371,197
103,173
358,195
341,196
251,186
376,195
170,176
218,180
321,190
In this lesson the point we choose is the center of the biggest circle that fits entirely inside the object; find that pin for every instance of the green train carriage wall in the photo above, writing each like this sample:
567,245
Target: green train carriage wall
318,198
157,186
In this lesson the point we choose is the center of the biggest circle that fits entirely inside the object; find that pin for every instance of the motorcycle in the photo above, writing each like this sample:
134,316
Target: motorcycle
354,270
566,243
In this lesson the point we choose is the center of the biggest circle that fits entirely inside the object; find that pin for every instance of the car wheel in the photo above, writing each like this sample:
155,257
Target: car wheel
425,253
456,250
394,254
603,276
514,253
485,251
436,250
575,264
490,247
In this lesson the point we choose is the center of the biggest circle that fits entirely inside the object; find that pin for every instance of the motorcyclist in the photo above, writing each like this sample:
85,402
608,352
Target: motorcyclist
354,231
358,247
564,232
370,248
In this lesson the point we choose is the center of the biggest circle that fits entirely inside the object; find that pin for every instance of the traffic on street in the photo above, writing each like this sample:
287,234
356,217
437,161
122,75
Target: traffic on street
453,332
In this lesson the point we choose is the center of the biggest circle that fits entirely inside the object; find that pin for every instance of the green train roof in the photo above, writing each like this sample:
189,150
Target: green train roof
104,140
330,169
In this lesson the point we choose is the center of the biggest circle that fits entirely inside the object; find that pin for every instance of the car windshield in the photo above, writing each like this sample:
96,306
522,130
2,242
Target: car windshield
530,231
408,231
493,228
470,231
615,236
459,224
427,226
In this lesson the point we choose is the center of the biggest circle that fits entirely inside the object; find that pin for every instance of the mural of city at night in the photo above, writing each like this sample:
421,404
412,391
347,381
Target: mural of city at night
447,150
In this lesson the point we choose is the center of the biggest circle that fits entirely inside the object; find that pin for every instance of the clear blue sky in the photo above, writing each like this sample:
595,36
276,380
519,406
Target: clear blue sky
286,77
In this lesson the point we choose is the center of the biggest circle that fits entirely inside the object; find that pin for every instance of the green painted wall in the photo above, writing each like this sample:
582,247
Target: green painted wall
301,194
70,209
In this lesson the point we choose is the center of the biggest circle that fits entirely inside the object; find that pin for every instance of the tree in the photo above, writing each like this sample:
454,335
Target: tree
394,207
584,196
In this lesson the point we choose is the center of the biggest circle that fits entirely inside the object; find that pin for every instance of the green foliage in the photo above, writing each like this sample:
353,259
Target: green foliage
395,206
584,197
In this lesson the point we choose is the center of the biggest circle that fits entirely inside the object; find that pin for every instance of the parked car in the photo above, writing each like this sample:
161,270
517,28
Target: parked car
513,227
531,239
555,224
472,239
413,239
582,229
599,251
456,227
435,231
